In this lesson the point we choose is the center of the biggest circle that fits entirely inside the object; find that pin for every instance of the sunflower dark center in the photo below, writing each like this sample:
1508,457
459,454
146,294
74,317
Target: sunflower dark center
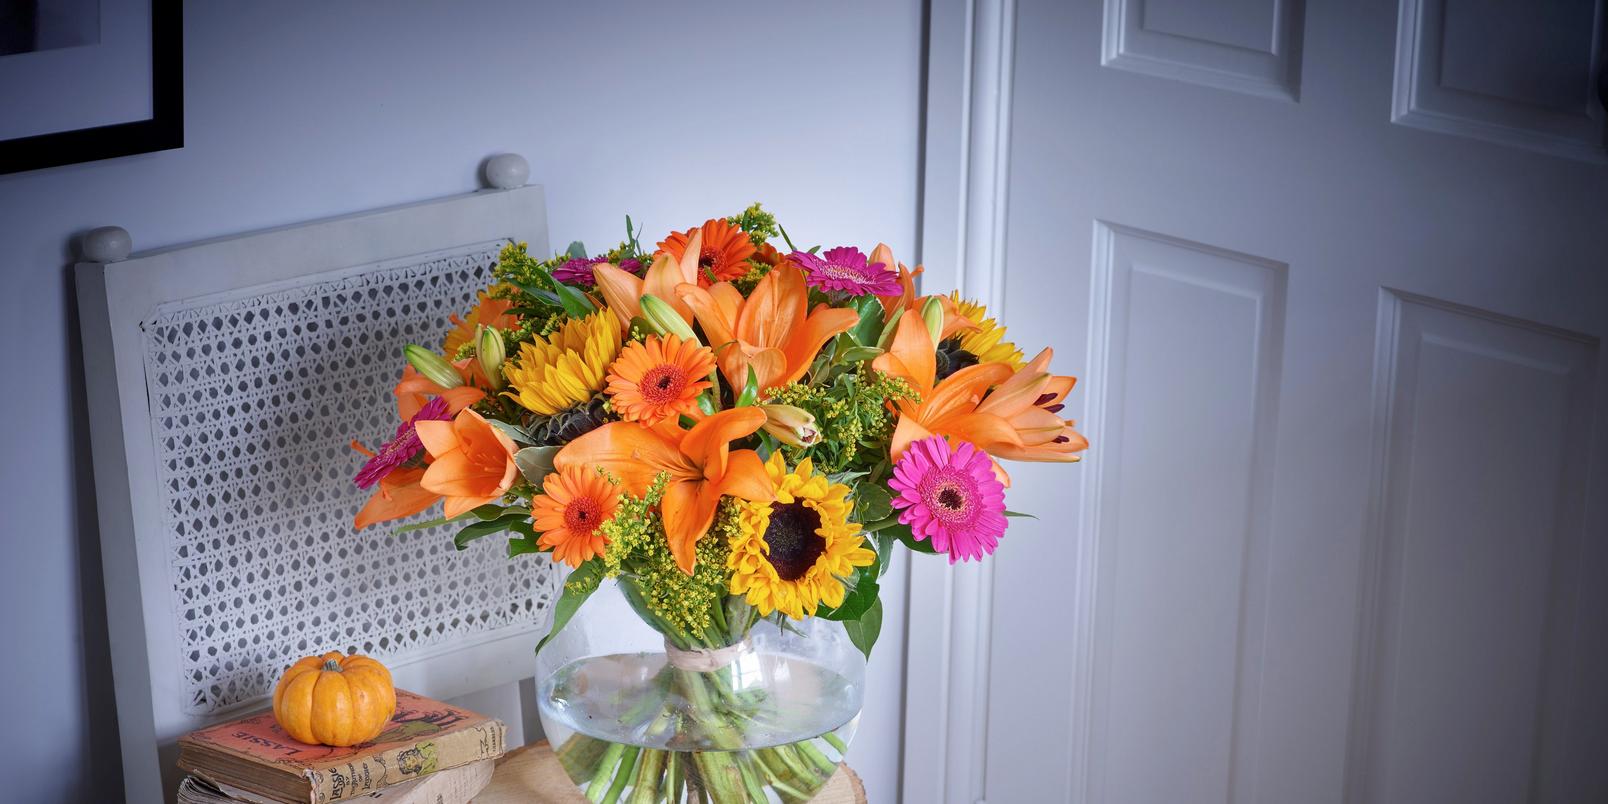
950,358
794,545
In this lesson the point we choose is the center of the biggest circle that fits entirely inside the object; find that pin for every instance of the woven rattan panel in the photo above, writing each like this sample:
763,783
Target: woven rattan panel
254,402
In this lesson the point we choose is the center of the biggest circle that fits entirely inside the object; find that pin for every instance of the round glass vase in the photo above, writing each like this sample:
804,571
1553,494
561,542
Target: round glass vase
766,720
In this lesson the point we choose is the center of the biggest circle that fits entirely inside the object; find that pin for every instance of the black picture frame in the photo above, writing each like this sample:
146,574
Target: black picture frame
164,130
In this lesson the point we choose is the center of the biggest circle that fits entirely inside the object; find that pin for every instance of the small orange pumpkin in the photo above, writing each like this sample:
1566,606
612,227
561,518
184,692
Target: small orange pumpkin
334,699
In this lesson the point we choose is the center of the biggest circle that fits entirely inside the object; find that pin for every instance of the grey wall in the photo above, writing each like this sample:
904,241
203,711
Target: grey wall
299,110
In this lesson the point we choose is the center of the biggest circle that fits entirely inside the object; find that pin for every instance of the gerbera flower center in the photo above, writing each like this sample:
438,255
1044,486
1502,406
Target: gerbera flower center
949,496
583,515
662,384
708,257
792,540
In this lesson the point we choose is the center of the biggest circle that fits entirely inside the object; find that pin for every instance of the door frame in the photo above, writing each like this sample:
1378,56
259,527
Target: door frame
961,223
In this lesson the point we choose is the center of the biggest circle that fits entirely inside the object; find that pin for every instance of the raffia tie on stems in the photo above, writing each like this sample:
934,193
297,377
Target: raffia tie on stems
704,660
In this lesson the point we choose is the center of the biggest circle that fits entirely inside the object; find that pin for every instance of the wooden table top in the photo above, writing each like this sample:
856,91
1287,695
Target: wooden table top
532,774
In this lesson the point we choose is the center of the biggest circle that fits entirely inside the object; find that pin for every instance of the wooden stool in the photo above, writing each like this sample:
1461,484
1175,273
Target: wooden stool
531,774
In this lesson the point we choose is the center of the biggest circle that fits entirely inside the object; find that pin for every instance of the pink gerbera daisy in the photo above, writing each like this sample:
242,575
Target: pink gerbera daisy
950,495
578,271
402,447
845,269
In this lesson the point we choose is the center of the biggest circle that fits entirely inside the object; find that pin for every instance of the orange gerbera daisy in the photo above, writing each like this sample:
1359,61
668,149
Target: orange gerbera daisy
575,503
723,254
658,378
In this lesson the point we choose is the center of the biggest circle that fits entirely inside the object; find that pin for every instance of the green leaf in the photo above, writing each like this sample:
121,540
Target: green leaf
487,511
513,431
884,552
858,354
476,530
535,463
575,303
576,251
872,502
860,598
863,632
905,537
543,295
524,542
577,588
750,392
1019,513
869,329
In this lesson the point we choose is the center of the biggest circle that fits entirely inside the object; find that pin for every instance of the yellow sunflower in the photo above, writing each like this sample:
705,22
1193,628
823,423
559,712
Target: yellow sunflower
565,368
791,554
987,341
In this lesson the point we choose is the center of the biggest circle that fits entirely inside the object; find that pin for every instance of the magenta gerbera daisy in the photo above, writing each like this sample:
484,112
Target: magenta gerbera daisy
951,496
846,269
578,271
402,447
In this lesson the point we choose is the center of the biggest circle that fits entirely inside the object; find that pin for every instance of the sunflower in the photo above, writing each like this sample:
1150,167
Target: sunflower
565,368
987,341
659,378
723,256
575,503
790,555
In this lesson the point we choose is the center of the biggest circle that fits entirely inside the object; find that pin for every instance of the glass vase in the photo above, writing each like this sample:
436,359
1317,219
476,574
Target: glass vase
767,719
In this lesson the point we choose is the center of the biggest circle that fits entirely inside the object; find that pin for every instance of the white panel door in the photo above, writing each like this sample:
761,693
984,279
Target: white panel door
1335,276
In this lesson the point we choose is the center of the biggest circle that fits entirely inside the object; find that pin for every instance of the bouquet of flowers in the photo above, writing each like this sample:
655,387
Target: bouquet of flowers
735,434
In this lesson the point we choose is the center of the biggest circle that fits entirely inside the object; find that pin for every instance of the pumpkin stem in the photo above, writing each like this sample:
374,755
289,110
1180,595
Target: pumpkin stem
332,666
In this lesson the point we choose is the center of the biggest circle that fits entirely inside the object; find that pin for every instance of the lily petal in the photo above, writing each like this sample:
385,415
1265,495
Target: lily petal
910,355
399,495
708,443
630,452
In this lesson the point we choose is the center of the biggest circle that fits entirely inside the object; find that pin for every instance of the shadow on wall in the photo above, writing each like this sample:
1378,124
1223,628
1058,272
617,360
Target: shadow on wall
102,780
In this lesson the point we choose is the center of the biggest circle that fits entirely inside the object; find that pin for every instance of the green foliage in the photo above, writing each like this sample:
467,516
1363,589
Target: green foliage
852,413
759,224
863,632
580,586
683,606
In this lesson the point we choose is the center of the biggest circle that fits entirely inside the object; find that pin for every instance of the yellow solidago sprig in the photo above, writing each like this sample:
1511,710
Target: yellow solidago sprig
566,367
852,414
987,342
793,554
682,606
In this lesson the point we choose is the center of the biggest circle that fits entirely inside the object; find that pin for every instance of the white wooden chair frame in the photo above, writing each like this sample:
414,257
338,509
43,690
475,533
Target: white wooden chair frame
115,296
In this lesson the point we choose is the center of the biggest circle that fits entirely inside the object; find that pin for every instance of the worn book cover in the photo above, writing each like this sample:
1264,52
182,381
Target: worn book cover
424,736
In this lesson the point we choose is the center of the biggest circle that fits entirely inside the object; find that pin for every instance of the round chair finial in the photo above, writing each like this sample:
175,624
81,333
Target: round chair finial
107,244
507,171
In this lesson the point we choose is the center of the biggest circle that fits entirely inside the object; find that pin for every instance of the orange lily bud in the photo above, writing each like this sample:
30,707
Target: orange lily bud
793,426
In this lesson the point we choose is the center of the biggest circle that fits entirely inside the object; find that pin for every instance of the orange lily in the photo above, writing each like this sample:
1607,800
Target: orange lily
414,389
771,331
474,462
623,291
398,495
1016,420
1029,402
489,312
908,300
948,407
700,463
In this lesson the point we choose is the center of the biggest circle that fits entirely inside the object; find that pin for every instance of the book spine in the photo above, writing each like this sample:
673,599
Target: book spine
377,771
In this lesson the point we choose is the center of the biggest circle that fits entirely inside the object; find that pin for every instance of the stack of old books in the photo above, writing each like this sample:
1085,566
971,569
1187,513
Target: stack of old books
431,752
